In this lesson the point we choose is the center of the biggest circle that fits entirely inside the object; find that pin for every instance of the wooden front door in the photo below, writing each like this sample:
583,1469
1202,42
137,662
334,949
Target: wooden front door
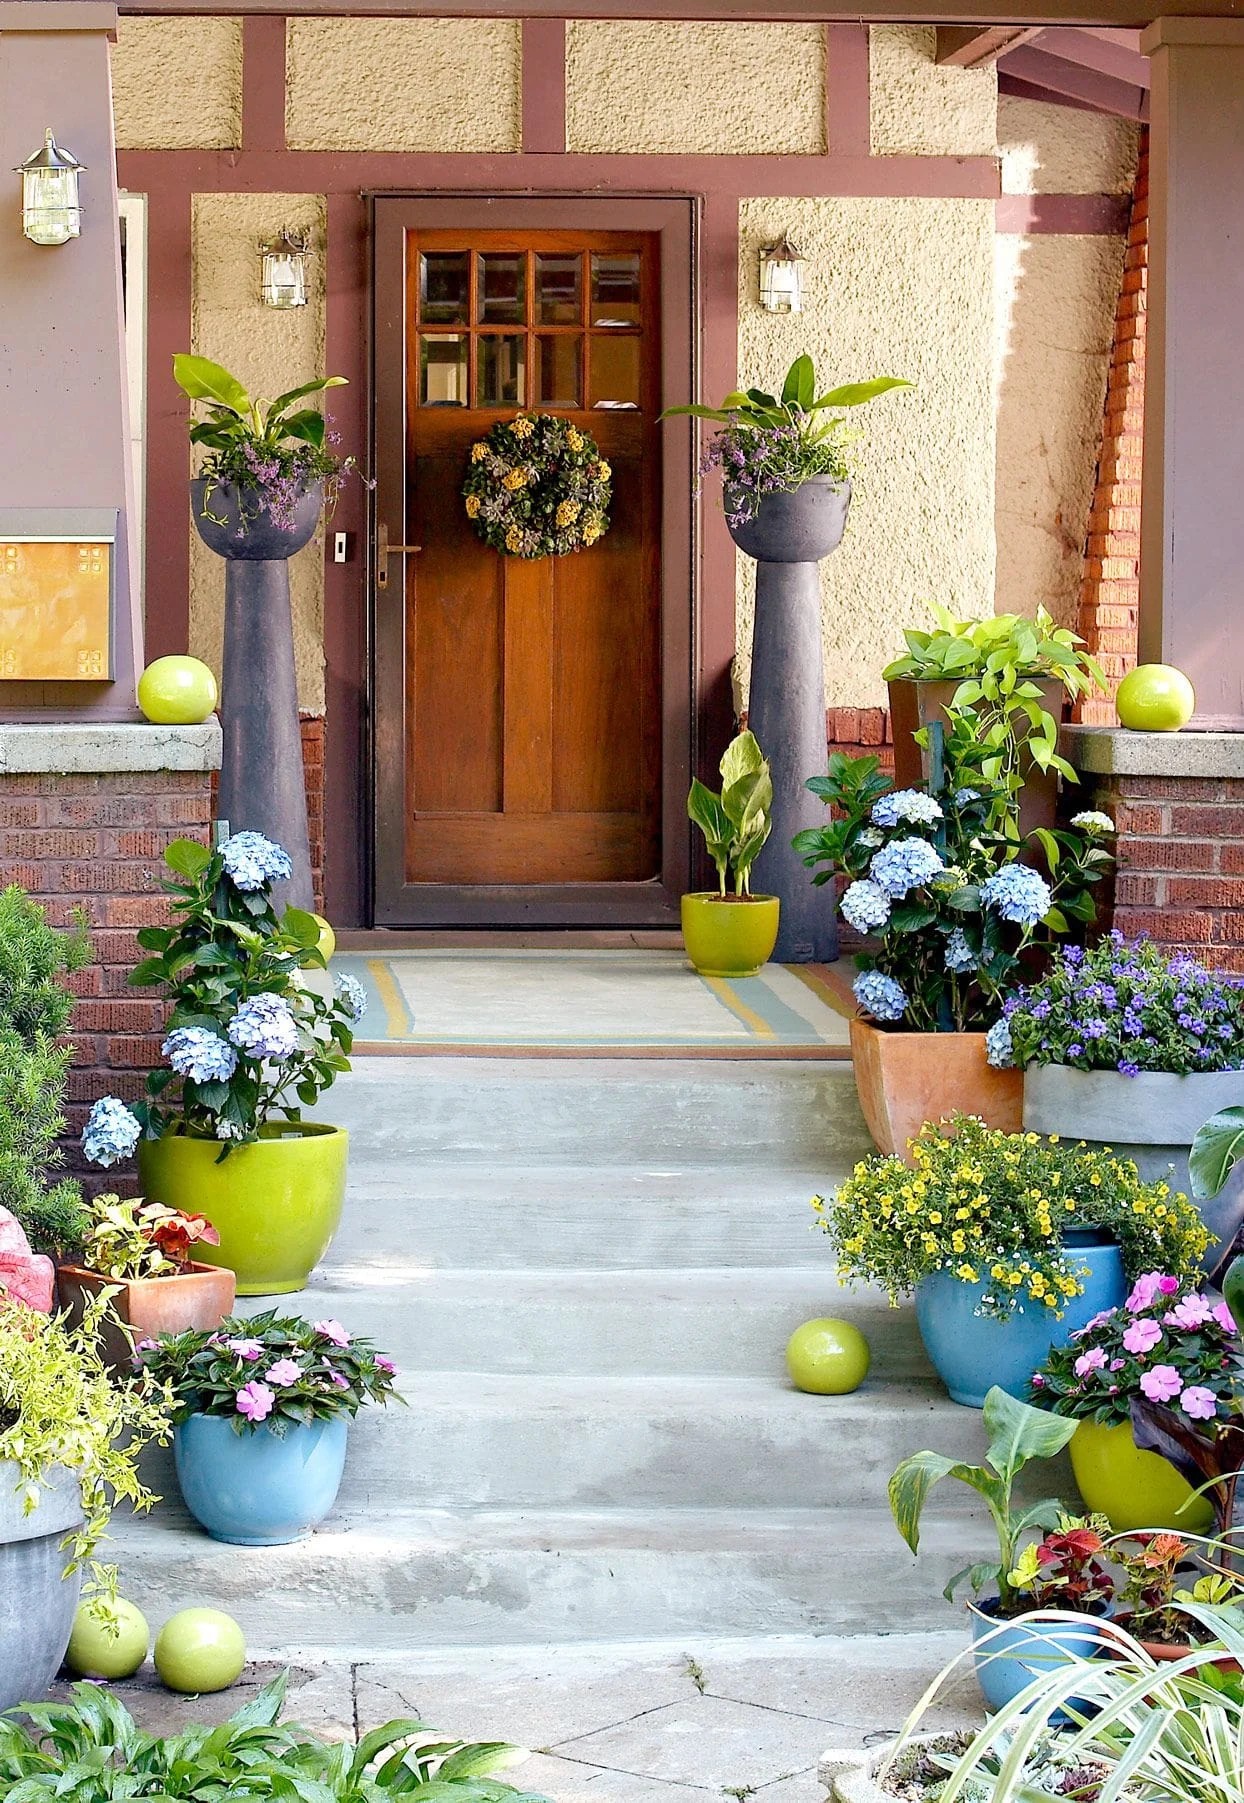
527,774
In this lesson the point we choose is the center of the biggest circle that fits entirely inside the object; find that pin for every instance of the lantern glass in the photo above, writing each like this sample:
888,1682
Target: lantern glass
781,279
283,280
51,213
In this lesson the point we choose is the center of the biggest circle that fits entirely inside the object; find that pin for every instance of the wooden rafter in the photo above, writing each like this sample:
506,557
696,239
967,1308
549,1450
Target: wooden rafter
968,46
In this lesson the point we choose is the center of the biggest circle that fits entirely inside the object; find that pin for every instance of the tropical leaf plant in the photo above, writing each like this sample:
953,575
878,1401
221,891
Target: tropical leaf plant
1216,1150
234,415
736,822
798,405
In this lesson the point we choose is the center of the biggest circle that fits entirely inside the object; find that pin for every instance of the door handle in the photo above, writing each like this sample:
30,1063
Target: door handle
384,550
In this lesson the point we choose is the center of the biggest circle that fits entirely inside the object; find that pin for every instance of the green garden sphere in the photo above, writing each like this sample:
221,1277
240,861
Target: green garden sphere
198,1650
109,1640
827,1357
177,691
1155,698
326,944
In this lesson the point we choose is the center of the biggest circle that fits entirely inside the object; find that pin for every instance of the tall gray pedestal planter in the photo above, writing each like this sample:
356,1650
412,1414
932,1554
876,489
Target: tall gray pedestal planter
37,1600
262,787
786,710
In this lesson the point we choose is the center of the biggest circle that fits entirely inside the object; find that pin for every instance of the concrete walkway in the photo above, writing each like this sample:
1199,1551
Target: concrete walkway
650,1723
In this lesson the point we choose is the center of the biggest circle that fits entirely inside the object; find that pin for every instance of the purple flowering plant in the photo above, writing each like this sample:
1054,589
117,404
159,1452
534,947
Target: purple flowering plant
771,444
271,1370
1170,1343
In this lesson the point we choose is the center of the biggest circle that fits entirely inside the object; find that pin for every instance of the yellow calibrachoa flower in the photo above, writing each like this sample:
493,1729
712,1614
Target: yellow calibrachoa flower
602,471
523,426
575,439
473,505
513,539
567,513
515,479
479,450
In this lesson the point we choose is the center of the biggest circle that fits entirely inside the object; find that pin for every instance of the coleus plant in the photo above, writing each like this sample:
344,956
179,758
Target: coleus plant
1065,1569
134,1238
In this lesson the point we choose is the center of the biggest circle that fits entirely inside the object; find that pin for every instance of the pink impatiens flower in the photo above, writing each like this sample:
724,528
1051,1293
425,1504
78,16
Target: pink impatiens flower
1199,1403
1144,1290
1093,1360
386,1365
1193,1311
1224,1318
255,1401
1161,1384
285,1371
1106,1314
334,1331
342,1383
1142,1336
246,1349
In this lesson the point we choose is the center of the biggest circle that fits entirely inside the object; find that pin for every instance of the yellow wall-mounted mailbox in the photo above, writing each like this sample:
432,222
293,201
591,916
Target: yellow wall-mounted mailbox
57,573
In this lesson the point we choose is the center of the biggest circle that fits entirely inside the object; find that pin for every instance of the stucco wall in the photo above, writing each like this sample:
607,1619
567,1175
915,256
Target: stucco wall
403,84
1062,150
270,350
177,84
920,109
678,87
904,288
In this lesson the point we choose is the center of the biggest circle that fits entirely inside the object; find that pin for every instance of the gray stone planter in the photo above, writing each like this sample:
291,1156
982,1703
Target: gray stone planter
786,709
850,1774
37,1600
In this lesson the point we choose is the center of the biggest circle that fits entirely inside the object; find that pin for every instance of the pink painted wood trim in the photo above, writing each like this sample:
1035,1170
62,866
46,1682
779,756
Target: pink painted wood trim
848,122
1127,14
1103,93
1090,215
169,266
544,86
719,374
263,84
60,15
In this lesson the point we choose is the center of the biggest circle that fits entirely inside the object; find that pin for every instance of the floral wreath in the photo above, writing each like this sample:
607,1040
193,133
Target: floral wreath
538,487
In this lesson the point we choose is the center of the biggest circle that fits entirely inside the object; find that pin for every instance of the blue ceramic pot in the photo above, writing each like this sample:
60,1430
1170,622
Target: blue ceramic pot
253,1488
971,1352
1014,1653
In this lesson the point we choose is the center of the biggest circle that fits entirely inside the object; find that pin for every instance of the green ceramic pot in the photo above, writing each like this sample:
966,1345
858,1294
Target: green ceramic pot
1133,1489
729,938
276,1204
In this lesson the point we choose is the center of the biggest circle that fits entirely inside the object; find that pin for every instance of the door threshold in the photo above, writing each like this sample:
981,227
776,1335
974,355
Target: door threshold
411,939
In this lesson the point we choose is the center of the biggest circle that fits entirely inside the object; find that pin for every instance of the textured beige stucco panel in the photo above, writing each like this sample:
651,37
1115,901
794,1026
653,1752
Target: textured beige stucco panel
403,84
897,288
1061,150
1055,302
270,350
921,109
672,88
177,84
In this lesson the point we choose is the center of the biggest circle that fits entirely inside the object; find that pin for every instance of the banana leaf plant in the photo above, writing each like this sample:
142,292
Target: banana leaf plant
737,822
798,405
234,416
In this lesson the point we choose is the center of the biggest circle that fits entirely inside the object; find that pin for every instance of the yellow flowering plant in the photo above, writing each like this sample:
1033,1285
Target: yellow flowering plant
997,1209
537,486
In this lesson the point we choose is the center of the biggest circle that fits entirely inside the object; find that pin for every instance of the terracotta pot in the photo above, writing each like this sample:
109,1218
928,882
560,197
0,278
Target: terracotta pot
905,1079
200,1296
915,701
1165,1652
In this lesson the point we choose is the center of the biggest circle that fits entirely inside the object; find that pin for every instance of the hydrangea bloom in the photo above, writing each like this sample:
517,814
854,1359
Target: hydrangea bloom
998,1046
1092,820
960,957
111,1132
871,837
903,865
1018,894
202,1056
252,862
263,1027
963,798
353,994
865,906
910,805
880,995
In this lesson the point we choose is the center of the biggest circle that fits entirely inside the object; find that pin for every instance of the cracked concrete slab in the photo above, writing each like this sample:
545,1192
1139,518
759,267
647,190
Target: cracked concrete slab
706,1740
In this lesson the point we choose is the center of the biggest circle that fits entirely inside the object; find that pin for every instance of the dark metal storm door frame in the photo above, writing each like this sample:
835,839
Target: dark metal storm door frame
398,902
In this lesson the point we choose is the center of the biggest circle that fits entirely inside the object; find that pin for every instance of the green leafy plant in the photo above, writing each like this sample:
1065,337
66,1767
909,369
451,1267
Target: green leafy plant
1216,1150
132,1238
1017,1435
1160,1574
91,1751
737,822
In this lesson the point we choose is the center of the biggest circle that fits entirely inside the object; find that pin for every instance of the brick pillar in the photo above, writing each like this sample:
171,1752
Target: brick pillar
1110,589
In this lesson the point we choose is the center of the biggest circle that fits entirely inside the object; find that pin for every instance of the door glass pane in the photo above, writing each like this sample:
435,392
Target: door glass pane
502,290
559,282
443,287
557,370
615,288
615,372
501,360
443,370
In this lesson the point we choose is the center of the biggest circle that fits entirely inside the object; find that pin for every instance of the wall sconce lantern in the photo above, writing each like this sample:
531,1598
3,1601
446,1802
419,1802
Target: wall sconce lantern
283,277
51,213
781,277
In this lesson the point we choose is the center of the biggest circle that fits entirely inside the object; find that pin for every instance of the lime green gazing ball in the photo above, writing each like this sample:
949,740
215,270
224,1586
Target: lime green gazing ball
198,1650
827,1357
1155,698
177,691
109,1640
327,941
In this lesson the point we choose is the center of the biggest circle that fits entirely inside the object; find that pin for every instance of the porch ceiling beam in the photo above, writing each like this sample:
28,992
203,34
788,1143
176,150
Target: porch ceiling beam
1126,14
1016,89
1064,80
968,46
1102,51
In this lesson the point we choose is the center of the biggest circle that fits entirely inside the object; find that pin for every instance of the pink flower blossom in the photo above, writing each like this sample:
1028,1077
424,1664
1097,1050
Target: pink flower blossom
1093,1360
1167,1285
255,1401
1142,1336
1199,1403
1038,1382
1107,1314
285,1371
1162,1384
1144,1290
1117,1365
1193,1311
1224,1318
334,1331
246,1349
385,1364
342,1383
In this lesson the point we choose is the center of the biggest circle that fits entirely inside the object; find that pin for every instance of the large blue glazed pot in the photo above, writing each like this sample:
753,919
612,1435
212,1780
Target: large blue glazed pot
1009,1655
971,1352
255,1488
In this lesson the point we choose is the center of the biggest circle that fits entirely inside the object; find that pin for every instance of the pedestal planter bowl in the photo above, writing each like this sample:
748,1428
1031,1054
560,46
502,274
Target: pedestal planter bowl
255,1488
37,1600
1133,1489
905,1079
276,1204
970,1351
200,1296
788,536
727,938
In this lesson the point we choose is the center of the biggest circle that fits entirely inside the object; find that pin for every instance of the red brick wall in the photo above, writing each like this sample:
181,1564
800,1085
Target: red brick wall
861,732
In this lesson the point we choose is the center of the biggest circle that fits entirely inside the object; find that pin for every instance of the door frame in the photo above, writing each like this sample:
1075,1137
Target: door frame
396,902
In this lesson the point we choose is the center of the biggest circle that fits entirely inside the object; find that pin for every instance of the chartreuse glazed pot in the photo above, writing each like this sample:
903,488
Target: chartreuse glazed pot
276,1203
1131,1488
729,936
258,1488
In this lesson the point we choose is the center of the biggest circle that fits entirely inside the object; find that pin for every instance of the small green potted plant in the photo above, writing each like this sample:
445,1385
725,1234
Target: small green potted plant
730,932
261,1408
251,1039
1162,1573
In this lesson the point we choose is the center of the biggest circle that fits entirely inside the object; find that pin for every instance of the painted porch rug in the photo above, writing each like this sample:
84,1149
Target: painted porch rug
593,1003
